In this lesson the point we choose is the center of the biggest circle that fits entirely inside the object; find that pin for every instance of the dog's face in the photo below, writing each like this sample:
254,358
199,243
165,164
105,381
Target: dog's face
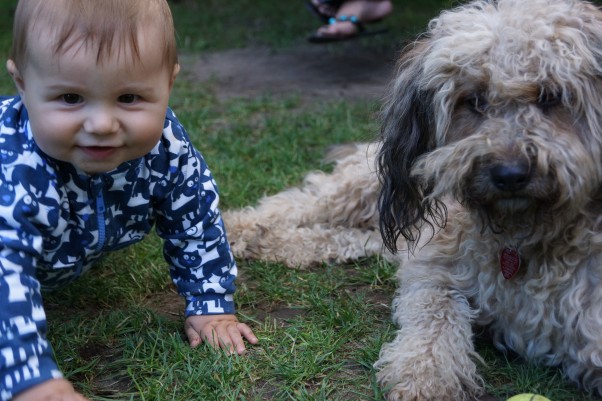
499,107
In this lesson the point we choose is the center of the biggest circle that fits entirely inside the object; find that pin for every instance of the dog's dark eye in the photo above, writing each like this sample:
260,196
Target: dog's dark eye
477,104
548,100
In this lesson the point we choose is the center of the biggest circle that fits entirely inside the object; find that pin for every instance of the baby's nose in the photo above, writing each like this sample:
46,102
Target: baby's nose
101,121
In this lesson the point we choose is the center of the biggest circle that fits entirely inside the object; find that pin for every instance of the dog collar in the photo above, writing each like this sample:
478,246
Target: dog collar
509,262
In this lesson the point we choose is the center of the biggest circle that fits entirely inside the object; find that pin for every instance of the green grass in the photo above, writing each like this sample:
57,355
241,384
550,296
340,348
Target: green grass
118,332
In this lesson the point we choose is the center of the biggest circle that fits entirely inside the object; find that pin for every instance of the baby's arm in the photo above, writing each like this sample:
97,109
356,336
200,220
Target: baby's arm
220,331
201,261
26,357
51,390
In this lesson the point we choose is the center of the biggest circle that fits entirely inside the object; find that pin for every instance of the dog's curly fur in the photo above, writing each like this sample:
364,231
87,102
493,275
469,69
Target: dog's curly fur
331,218
491,140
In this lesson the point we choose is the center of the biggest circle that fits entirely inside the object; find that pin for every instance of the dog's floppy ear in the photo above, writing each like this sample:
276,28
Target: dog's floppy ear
407,132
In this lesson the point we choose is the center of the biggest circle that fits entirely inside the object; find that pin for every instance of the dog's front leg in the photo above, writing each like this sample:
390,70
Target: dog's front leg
431,358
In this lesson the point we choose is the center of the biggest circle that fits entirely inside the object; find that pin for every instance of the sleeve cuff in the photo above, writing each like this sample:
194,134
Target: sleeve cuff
36,371
210,304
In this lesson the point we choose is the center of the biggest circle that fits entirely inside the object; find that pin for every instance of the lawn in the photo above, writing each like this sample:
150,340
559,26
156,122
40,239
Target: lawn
118,332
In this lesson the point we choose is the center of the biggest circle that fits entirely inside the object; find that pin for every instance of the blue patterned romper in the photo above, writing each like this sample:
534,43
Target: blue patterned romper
56,221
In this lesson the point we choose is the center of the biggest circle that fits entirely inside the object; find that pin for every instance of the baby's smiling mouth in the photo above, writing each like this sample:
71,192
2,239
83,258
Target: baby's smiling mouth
98,152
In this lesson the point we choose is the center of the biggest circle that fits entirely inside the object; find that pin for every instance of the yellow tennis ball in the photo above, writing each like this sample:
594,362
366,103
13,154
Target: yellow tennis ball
528,397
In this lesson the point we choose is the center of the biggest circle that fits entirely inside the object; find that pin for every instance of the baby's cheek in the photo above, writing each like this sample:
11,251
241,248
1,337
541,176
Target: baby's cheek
146,132
54,137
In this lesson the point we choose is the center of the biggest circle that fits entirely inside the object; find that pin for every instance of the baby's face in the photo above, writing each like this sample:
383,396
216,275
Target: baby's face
96,115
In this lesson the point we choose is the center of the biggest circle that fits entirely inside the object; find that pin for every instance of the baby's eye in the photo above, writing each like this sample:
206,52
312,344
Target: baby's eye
72,98
128,98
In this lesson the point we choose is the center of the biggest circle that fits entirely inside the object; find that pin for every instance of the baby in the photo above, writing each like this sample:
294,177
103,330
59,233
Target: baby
91,158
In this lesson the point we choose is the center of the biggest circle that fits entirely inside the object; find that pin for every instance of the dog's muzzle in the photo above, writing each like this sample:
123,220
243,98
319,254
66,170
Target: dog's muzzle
510,177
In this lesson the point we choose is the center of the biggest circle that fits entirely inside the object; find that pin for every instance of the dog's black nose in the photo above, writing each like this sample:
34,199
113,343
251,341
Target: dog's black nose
510,177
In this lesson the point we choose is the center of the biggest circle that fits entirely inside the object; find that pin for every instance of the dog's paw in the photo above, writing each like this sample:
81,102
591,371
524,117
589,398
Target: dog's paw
413,393
426,390
426,380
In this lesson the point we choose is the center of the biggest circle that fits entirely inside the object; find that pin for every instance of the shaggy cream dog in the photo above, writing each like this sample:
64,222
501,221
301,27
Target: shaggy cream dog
488,182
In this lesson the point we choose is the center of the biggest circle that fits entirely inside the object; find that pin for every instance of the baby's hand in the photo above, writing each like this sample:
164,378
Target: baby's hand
51,390
220,331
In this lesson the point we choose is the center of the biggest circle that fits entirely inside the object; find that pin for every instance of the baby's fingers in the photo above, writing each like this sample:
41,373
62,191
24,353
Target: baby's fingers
194,338
222,338
237,332
247,333
218,336
230,337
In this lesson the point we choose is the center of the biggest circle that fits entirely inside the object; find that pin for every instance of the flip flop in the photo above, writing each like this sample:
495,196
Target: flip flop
335,4
361,31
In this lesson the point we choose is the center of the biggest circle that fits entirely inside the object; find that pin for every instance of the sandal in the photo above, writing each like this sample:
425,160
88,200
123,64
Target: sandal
314,7
359,32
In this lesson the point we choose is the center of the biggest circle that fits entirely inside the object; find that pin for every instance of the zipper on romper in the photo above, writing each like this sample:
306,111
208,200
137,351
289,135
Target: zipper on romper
100,214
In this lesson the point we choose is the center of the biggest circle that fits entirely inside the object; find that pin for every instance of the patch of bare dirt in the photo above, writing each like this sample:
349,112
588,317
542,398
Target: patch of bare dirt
105,383
168,304
349,72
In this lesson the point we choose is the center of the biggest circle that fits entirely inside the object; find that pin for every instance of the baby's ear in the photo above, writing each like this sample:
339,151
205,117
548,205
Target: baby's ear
174,74
12,69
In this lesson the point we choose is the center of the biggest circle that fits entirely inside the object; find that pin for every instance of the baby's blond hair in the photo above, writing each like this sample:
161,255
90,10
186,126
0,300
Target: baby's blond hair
110,25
